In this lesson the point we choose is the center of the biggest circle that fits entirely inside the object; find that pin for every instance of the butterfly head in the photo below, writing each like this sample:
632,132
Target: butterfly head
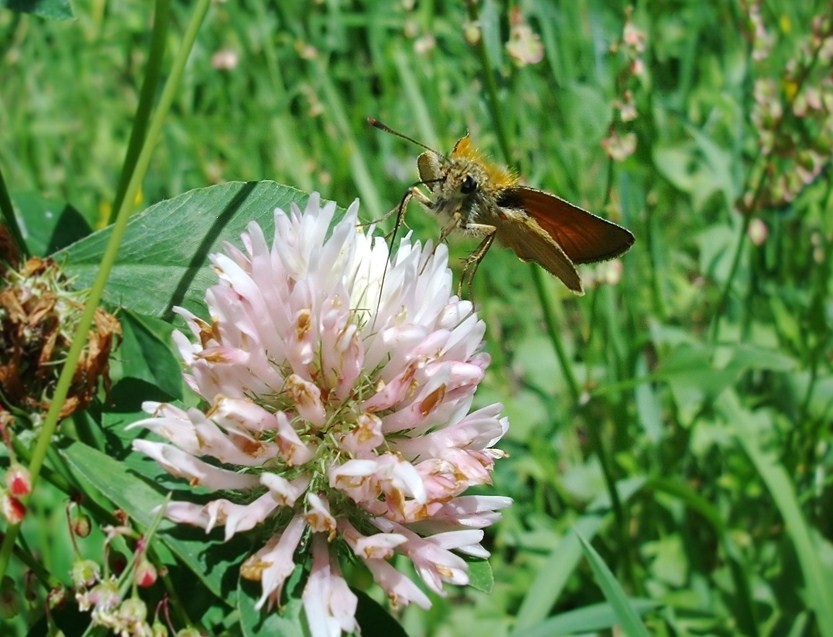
464,180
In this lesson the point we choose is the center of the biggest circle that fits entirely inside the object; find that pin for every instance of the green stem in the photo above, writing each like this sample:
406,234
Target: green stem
727,288
153,72
107,261
610,484
503,141
491,87
544,296
539,278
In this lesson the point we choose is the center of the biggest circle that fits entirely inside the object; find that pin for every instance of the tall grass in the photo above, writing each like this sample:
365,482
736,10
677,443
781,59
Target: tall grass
679,419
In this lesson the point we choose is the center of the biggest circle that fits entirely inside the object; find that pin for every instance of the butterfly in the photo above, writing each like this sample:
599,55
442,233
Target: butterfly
480,197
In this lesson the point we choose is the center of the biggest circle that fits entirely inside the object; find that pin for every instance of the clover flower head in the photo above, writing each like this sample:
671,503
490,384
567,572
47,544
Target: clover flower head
338,384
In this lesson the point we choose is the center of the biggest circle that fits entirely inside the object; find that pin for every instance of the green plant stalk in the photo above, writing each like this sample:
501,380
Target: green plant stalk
539,278
615,502
491,86
546,301
7,212
655,265
107,261
285,136
821,293
153,71
503,141
629,620
543,295
13,34
416,99
727,288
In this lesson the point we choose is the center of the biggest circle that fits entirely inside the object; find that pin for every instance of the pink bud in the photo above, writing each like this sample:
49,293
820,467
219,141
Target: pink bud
145,574
18,480
12,508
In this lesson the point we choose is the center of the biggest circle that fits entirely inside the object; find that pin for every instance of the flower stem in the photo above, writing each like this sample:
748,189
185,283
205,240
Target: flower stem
727,288
153,71
503,141
491,86
107,261
538,277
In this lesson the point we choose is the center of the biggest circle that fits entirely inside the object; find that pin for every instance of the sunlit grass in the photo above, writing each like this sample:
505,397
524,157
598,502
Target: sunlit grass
696,337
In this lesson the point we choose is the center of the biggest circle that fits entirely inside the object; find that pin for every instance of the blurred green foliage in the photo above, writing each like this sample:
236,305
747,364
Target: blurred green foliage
679,418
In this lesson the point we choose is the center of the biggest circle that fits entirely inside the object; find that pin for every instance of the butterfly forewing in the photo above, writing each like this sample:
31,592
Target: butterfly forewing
584,237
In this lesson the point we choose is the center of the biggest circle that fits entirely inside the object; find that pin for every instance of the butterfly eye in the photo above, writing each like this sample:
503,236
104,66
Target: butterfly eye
468,186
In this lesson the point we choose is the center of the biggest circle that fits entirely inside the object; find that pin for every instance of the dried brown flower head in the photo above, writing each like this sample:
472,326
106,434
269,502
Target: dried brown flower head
39,314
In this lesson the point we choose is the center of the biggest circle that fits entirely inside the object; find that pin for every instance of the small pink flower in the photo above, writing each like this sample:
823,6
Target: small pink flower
337,384
102,599
633,37
524,45
619,147
225,60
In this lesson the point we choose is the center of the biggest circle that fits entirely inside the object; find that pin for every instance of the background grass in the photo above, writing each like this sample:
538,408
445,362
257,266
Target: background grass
679,419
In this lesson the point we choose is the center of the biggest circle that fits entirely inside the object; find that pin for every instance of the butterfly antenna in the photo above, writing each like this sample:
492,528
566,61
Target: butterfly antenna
382,126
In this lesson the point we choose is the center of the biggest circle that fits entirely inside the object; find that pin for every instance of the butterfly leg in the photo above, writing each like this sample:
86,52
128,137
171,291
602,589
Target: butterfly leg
455,224
412,193
399,211
472,262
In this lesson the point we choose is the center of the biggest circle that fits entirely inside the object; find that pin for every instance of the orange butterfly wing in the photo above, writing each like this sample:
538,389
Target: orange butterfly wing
584,237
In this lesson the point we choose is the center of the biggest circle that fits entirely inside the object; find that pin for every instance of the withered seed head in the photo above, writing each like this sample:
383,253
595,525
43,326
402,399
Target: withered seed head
39,314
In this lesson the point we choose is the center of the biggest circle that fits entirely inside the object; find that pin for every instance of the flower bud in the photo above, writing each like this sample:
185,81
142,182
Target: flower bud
133,610
18,480
56,597
757,231
81,525
12,509
158,629
145,574
84,574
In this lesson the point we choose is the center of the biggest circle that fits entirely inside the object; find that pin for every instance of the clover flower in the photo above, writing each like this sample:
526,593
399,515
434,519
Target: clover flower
337,386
